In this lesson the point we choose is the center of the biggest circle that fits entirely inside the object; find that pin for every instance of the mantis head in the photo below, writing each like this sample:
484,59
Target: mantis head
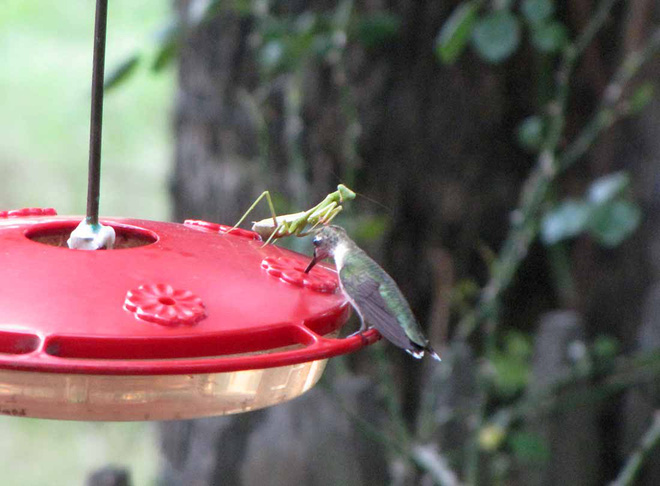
345,193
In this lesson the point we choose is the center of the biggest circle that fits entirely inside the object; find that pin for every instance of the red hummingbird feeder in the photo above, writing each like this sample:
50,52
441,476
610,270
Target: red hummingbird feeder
176,321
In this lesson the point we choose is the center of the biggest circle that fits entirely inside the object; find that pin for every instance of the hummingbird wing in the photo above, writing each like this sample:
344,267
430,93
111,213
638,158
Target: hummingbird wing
365,295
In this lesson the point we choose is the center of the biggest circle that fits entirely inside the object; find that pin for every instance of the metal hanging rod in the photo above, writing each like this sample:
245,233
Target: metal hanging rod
96,119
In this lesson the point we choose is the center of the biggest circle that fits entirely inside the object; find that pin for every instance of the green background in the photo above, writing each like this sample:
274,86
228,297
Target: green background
45,78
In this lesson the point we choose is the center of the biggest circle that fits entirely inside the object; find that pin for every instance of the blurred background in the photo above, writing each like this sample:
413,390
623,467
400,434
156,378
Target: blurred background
45,83
506,159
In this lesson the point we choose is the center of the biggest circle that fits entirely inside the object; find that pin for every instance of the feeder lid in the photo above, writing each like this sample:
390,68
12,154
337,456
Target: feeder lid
170,299
178,321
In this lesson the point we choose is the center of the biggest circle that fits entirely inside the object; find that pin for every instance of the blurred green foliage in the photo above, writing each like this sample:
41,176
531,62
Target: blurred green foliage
537,11
456,32
38,452
642,97
45,83
530,133
512,362
283,42
605,213
528,447
496,33
377,30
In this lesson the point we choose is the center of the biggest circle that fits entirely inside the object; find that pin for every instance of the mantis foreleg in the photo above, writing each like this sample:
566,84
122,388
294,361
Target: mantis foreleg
327,216
320,213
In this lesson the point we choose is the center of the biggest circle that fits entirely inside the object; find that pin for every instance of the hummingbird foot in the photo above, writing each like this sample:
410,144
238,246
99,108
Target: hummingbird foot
359,333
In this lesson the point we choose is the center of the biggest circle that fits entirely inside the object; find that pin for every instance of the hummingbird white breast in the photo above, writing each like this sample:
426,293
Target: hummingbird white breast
339,254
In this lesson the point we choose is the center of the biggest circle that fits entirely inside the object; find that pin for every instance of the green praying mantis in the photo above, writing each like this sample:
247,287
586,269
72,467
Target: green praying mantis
295,224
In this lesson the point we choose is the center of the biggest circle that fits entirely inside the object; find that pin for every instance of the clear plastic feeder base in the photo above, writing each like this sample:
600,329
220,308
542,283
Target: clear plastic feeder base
160,397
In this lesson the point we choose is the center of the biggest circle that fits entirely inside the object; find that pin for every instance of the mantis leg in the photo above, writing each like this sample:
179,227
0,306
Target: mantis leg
325,220
313,216
326,217
254,204
273,235
331,215
320,214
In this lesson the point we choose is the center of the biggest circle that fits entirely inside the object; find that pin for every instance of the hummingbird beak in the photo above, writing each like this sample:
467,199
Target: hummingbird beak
312,263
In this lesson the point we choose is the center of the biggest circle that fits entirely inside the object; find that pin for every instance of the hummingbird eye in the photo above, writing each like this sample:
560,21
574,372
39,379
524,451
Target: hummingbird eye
316,241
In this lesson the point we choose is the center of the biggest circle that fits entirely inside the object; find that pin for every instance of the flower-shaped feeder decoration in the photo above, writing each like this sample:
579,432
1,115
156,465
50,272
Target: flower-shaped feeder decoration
178,321
164,305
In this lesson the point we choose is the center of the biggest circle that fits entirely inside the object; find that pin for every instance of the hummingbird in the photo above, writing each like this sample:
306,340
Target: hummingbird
371,291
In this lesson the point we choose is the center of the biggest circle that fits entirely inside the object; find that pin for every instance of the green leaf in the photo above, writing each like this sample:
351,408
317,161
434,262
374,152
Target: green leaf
537,11
490,437
168,44
517,344
378,29
322,44
342,14
273,28
456,32
271,55
305,23
529,447
607,188
530,133
642,97
164,56
167,33
567,220
242,7
202,10
612,224
496,36
121,73
606,347
551,37
512,365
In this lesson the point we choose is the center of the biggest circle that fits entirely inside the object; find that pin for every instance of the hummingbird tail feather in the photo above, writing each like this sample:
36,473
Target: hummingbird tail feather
433,354
415,352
